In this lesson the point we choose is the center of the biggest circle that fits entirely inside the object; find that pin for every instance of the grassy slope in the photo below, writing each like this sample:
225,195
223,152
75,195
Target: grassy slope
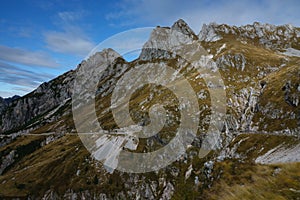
247,180
244,181
233,179
274,94
54,166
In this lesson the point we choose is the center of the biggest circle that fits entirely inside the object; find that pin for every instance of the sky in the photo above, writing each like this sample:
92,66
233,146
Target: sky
41,39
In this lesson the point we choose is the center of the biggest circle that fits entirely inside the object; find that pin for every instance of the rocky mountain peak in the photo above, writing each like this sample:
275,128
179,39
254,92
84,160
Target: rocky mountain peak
181,26
208,33
106,56
271,36
102,56
164,40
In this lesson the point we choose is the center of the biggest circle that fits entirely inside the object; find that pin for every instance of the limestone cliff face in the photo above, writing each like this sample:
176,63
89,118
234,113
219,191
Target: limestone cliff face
46,97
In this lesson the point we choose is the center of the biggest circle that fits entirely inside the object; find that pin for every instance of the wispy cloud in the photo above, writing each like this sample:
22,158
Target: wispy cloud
157,12
20,77
22,89
21,56
6,94
71,16
17,80
72,39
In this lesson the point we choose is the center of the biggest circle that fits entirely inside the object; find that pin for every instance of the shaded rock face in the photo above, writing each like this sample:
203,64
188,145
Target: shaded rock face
290,98
10,99
7,161
47,96
3,104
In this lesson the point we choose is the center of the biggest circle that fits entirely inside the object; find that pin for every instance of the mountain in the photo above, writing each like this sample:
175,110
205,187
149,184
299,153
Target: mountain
5,101
255,156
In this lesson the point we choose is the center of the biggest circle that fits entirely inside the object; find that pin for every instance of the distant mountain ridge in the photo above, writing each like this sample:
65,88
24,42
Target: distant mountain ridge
51,94
4,102
271,36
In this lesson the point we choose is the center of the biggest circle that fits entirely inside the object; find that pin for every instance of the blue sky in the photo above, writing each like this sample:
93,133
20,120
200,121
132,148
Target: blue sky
41,39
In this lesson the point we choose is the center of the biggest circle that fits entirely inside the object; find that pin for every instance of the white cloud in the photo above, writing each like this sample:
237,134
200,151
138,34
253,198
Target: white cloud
19,76
19,80
195,12
71,16
21,56
70,41
68,16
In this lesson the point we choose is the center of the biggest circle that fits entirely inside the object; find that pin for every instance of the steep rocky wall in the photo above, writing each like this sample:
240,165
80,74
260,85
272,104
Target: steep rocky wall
46,97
